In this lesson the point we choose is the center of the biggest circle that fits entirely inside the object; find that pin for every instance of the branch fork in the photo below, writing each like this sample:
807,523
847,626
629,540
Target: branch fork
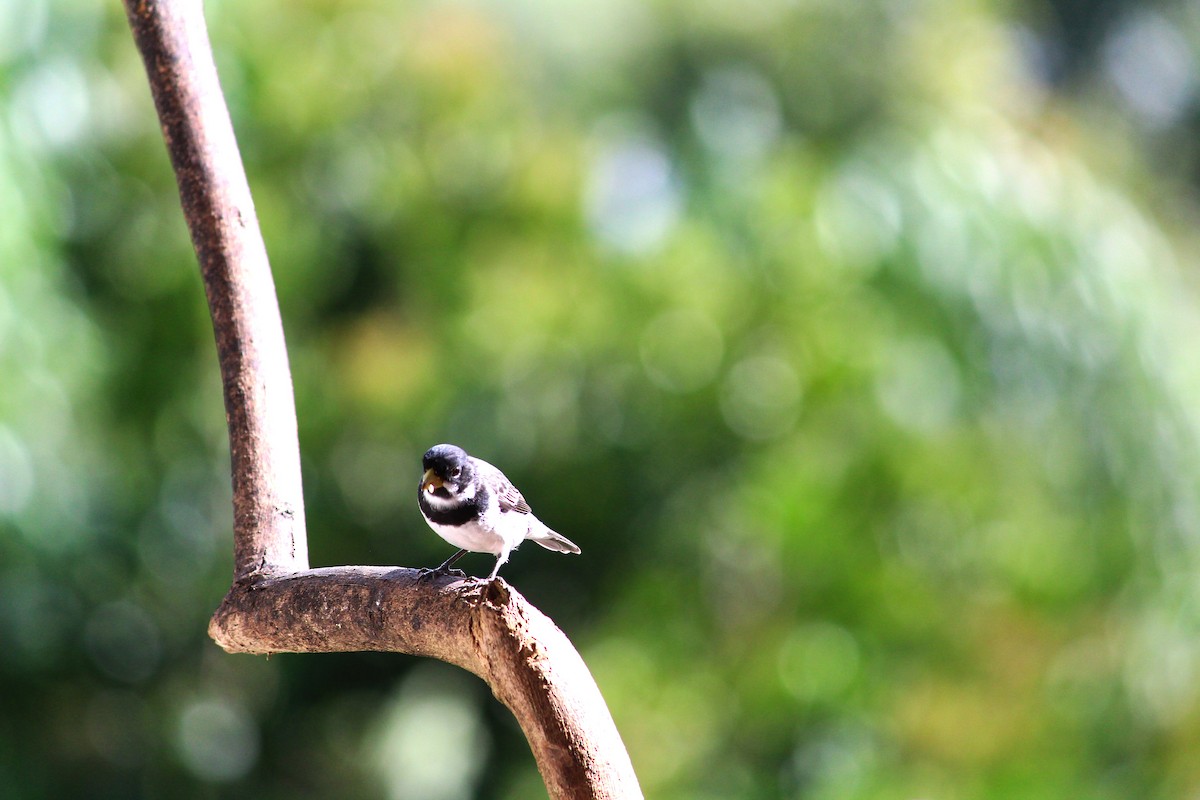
276,603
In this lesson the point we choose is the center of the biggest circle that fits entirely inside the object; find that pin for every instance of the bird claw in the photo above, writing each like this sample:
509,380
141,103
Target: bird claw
433,572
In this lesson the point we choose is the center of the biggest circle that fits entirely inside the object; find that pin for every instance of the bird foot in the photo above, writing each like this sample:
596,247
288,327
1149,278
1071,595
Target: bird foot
433,572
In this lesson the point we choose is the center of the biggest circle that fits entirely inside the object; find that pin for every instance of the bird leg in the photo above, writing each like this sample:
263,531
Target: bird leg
444,568
500,559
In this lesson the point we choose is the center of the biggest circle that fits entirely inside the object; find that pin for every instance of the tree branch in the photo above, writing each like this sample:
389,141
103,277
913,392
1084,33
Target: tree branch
268,501
484,627
276,604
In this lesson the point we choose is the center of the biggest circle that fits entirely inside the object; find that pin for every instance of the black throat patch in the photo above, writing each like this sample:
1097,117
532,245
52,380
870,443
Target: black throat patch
466,510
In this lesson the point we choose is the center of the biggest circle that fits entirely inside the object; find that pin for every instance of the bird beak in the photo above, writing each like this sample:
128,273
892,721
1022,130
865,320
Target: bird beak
431,481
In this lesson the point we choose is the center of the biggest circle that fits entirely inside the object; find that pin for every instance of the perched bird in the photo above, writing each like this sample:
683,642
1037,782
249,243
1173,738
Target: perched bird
471,505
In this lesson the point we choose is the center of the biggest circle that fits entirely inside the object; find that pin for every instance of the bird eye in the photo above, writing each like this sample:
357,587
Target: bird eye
455,472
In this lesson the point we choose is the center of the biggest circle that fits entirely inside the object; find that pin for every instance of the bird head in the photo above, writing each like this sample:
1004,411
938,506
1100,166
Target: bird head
448,471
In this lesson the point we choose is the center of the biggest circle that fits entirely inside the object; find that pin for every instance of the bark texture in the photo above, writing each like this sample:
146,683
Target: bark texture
276,604
484,627
268,503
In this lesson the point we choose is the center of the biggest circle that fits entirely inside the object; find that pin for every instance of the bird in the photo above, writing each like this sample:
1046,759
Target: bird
473,506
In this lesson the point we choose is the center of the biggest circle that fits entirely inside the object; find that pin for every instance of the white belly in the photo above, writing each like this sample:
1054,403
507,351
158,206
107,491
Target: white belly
497,532
472,536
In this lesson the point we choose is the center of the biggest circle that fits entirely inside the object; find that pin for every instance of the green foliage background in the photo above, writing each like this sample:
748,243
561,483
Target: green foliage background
854,344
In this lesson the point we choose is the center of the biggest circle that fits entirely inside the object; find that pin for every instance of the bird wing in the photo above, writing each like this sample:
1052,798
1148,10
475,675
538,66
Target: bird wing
507,495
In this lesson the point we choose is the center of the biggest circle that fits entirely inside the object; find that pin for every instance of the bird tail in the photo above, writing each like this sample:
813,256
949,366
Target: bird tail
554,541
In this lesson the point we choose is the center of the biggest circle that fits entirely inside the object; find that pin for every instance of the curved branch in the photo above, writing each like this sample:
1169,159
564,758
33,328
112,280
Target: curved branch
268,502
276,604
484,627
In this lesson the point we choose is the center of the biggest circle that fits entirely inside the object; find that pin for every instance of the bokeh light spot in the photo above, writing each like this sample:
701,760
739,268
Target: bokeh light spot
123,641
1151,64
16,467
37,617
681,350
858,219
818,661
736,113
22,27
50,105
760,398
633,199
919,388
217,740
431,742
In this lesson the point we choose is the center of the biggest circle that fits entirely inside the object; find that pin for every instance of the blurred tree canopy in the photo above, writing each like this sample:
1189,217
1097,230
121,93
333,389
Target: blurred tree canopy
852,342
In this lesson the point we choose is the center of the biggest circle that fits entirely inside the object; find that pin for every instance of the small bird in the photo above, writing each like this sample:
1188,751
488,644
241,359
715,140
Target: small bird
474,507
